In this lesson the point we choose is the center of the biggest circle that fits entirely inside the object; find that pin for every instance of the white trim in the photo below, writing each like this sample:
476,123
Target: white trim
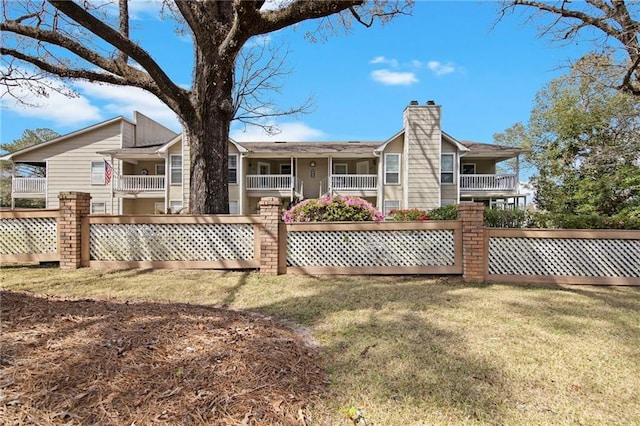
171,182
262,163
398,172
237,168
346,168
103,182
453,172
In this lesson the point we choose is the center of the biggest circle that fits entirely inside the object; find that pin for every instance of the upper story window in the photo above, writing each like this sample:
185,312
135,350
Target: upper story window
176,168
98,173
447,168
392,168
233,168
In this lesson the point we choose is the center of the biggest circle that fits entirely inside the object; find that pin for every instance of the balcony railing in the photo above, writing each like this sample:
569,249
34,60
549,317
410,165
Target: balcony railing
268,182
354,182
29,185
488,182
139,183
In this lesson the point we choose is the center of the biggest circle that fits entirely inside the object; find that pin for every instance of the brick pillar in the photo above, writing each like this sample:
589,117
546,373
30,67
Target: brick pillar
270,215
473,243
73,207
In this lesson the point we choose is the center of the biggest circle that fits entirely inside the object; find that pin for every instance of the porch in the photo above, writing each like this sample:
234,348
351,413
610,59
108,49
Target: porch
282,185
139,184
29,187
488,183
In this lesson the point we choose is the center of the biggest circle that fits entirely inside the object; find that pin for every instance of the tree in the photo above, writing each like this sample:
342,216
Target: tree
28,138
584,143
46,34
607,20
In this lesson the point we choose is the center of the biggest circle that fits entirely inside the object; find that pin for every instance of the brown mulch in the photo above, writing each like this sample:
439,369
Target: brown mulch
91,362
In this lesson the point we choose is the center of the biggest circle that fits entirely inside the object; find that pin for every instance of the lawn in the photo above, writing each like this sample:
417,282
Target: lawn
418,350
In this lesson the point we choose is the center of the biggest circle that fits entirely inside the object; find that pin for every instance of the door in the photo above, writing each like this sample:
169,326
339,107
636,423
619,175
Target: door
362,168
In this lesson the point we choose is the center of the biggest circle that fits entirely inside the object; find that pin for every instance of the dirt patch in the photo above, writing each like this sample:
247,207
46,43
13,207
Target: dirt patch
101,362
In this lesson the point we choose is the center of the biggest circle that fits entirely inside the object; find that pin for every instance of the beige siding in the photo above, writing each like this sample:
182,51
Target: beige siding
393,192
422,148
69,163
449,192
141,206
234,188
150,132
312,184
482,166
177,191
185,148
128,134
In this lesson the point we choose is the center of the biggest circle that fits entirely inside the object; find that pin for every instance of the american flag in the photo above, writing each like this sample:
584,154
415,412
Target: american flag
107,172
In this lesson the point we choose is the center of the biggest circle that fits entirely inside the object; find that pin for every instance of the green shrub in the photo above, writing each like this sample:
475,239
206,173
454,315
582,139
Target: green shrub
449,212
498,218
333,209
405,215
591,221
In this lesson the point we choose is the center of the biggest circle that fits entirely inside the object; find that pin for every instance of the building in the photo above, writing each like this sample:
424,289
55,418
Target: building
140,167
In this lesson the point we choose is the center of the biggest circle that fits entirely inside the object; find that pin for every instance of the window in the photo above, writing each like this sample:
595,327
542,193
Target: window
176,206
176,169
391,205
447,202
340,169
98,208
233,207
391,168
285,169
468,168
446,168
98,173
233,168
160,169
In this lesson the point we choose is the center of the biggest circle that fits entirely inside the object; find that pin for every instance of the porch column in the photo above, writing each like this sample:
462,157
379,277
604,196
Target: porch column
474,251
13,176
73,207
270,216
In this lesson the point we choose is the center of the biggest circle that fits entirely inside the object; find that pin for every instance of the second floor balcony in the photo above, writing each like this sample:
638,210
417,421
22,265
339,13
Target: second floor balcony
139,183
488,183
29,185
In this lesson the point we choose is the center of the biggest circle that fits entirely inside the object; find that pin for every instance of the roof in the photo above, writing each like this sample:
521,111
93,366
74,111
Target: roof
64,137
479,149
143,151
286,148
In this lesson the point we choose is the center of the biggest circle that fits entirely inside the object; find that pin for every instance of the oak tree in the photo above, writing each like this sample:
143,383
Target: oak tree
76,40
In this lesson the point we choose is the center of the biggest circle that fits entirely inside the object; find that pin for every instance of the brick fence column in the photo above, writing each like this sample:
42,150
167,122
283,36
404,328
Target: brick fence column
473,243
73,207
270,213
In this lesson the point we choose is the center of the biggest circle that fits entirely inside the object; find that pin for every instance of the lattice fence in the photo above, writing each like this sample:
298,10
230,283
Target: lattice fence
574,257
171,242
370,248
38,235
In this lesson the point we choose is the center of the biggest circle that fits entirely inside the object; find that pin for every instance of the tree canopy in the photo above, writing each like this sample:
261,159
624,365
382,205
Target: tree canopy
83,40
584,142
612,26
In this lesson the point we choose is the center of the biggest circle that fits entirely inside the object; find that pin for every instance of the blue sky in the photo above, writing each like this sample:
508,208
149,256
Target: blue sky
484,76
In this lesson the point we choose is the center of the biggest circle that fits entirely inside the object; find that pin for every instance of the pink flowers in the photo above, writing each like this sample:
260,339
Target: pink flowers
333,209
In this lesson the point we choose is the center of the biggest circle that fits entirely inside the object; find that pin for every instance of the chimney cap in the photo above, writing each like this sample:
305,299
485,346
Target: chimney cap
413,103
431,102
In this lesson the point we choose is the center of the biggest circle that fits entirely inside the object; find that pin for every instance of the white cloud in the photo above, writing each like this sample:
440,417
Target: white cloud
121,100
382,60
439,68
292,131
57,108
394,78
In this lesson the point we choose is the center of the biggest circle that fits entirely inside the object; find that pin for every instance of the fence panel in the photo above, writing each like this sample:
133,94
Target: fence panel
172,242
375,248
29,236
564,256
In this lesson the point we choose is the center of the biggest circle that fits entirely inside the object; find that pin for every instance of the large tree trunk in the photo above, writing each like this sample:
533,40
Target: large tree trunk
208,134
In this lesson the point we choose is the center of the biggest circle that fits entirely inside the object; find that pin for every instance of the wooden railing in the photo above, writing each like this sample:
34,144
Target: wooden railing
139,183
30,185
488,182
354,182
269,182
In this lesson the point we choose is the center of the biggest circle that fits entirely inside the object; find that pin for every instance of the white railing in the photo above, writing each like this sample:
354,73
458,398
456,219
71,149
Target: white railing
139,183
30,185
268,182
488,182
324,187
354,182
298,185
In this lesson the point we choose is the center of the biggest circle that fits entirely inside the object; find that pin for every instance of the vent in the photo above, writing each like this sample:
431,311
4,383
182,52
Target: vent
280,142
431,103
354,141
413,103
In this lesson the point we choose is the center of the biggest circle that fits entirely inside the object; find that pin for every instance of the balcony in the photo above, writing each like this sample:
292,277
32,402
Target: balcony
349,183
274,183
139,183
488,183
33,185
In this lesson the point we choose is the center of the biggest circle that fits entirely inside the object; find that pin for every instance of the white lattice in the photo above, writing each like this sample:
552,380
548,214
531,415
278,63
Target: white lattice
171,242
28,235
564,257
370,248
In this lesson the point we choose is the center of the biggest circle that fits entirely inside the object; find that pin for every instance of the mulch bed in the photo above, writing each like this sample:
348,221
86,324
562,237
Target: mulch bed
94,362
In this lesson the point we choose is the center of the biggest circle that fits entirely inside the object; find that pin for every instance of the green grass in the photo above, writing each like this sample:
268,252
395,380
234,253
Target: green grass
418,351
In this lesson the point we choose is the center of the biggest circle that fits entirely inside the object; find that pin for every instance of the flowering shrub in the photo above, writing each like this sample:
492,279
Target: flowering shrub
333,209
407,215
